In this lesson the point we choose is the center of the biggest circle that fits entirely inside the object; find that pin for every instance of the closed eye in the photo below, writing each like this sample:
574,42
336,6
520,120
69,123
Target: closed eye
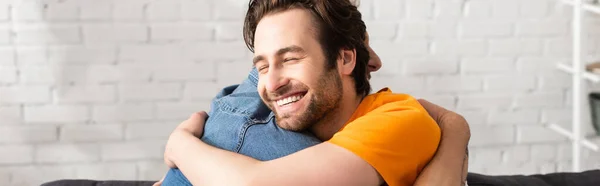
289,59
262,69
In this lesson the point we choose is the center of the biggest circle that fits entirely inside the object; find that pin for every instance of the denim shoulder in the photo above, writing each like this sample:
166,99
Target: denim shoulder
233,110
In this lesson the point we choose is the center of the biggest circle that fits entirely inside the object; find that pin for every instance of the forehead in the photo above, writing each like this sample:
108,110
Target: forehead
284,29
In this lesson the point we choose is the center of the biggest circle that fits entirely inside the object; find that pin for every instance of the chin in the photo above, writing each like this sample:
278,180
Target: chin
296,126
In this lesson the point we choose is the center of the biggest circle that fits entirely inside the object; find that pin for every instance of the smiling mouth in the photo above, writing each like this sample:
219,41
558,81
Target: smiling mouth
290,99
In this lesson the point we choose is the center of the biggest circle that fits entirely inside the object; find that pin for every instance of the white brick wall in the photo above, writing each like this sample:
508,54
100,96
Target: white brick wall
91,89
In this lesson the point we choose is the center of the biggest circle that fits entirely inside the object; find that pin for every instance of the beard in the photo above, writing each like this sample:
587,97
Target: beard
322,100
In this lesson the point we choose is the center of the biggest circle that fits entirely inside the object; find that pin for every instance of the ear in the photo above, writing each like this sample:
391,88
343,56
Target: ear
347,62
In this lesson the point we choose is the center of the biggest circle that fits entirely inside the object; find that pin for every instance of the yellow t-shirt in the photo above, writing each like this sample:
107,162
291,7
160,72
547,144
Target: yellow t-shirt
393,133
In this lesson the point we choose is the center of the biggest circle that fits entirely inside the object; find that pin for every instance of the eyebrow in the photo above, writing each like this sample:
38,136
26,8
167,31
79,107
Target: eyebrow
289,49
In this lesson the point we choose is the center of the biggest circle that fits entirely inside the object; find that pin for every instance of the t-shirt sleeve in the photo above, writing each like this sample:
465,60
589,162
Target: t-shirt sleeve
398,141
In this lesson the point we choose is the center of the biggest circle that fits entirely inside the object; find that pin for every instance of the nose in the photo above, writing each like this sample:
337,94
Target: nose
374,62
275,80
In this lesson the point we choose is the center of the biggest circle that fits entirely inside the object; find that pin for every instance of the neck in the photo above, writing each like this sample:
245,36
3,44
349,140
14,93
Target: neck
334,121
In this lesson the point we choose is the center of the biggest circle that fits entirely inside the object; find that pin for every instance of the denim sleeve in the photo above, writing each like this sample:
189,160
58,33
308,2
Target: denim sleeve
240,122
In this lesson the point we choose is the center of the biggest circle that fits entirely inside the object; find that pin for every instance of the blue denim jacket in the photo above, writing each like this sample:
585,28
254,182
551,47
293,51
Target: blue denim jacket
240,122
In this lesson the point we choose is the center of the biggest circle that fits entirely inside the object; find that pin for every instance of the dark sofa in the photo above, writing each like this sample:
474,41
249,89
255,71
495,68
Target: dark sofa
587,178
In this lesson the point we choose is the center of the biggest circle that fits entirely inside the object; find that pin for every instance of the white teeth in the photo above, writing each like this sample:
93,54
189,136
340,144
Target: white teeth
288,100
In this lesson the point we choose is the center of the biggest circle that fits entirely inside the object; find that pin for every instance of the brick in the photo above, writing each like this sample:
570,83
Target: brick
534,9
122,112
163,10
86,94
506,10
5,33
201,90
129,10
27,134
95,10
487,65
39,174
481,29
82,54
485,101
147,149
446,101
150,130
196,10
229,10
474,117
544,153
545,99
25,94
27,11
543,29
158,53
487,156
151,170
449,10
62,11
163,91
389,10
8,56
67,153
27,55
431,67
39,74
5,176
180,110
216,51
56,113
393,51
117,33
8,74
542,134
91,133
511,83
518,154
460,47
397,84
415,29
513,169
16,154
455,84
179,31
559,47
564,166
229,32
232,73
4,11
189,72
555,81
560,116
487,136
547,168
366,9
515,47
478,9
537,64
106,171
419,9
515,117
127,73
39,34
10,115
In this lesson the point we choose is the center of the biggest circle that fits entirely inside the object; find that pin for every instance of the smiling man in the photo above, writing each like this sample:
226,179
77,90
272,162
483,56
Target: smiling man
313,73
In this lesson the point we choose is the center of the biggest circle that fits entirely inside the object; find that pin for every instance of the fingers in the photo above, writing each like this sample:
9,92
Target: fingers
198,116
435,111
